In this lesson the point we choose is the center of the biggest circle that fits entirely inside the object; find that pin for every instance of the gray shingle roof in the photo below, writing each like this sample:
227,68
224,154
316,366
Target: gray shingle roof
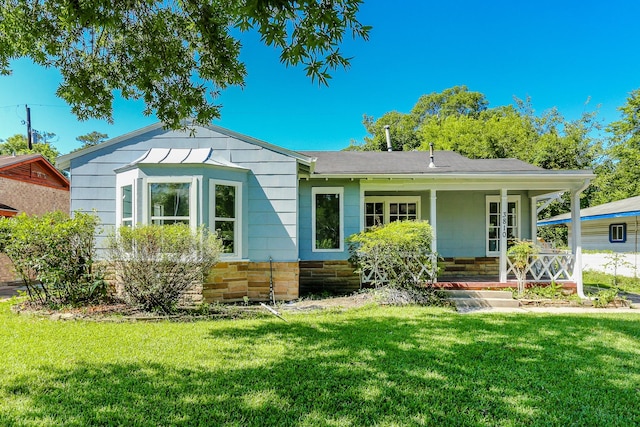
619,208
409,162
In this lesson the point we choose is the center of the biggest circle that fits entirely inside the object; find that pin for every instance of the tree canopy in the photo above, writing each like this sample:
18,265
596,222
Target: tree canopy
619,173
18,144
176,55
91,139
460,120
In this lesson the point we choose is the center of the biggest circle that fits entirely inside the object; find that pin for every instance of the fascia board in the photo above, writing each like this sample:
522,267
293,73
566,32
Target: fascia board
555,182
64,162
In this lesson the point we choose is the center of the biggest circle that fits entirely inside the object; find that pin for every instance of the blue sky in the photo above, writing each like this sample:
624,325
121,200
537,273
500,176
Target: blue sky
560,53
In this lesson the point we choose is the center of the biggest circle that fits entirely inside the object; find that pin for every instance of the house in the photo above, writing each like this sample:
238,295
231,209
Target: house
284,215
29,184
610,227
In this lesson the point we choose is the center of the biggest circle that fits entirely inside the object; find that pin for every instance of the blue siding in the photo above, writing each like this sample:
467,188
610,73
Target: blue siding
461,222
269,191
351,217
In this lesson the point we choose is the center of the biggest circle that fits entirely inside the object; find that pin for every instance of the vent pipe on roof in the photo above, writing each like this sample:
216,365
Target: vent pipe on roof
388,135
431,164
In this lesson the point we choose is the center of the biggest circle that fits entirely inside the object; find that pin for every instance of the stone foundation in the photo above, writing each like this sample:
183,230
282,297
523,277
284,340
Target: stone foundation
232,281
328,276
478,266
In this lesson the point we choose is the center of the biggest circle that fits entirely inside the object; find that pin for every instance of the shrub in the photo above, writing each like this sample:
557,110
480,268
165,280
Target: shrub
53,255
520,253
158,264
397,254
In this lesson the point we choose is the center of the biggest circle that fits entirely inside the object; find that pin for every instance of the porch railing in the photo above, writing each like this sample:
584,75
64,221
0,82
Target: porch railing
414,267
547,267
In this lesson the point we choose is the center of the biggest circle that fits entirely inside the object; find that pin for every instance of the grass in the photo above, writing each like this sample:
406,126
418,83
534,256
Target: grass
369,366
602,280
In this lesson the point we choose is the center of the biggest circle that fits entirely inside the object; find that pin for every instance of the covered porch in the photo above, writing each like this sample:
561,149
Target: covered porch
471,241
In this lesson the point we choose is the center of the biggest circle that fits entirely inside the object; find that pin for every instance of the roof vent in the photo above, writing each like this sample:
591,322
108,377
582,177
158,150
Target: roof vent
388,135
431,164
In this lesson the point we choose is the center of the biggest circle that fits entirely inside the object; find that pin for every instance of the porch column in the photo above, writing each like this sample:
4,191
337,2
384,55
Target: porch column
432,221
576,242
504,204
534,220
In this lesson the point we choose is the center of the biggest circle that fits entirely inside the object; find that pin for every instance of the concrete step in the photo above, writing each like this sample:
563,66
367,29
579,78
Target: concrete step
481,299
484,302
459,293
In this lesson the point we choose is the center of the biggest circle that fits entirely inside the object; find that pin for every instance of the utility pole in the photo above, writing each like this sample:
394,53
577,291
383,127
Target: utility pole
29,140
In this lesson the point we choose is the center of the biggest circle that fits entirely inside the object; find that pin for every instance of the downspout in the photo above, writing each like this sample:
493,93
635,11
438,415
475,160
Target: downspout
576,238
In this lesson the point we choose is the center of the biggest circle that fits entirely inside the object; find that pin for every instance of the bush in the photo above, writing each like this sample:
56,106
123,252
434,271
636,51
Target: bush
53,255
519,254
158,264
397,254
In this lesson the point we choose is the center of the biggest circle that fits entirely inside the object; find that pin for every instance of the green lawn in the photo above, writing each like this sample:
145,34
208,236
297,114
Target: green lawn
369,366
606,281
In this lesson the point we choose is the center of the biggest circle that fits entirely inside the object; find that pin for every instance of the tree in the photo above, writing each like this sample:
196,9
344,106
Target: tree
167,52
18,144
460,120
91,139
619,173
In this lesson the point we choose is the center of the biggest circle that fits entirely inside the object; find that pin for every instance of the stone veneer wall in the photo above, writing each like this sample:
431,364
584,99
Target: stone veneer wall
328,276
479,266
232,281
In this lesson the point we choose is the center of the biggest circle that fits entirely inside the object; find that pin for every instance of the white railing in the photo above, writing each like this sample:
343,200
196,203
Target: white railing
417,268
547,267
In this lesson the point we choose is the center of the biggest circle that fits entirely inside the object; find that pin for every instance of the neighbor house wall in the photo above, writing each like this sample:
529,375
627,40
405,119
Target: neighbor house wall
271,189
595,234
31,199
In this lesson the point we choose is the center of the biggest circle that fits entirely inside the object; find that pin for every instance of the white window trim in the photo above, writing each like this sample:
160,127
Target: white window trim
498,199
120,205
387,200
193,196
237,230
623,232
326,190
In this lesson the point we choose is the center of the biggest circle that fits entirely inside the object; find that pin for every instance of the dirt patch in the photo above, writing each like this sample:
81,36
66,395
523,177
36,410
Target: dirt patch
351,301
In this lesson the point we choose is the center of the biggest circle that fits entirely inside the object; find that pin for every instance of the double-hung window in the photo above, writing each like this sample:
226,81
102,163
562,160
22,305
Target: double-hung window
383,210
327,219
618,233
171,200
225,211
493,222
126,211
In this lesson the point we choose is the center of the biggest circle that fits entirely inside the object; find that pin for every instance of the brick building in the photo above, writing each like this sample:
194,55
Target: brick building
29,184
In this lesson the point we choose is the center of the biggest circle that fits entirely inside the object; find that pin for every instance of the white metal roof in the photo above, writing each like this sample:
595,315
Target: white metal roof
180,156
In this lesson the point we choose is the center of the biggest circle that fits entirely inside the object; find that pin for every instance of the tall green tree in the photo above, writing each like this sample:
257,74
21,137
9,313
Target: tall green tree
619,174
91,139
460,120
18,144
176,55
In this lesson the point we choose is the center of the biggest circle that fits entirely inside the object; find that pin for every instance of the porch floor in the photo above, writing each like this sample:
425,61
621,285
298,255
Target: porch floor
491,282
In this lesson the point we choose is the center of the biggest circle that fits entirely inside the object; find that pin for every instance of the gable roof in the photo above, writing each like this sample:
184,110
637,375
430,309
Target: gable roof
64,162
409,162
7,211
34,169
180,156
368,163
618,209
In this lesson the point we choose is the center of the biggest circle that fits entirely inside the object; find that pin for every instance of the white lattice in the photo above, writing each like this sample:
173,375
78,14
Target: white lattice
422,268
547,267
